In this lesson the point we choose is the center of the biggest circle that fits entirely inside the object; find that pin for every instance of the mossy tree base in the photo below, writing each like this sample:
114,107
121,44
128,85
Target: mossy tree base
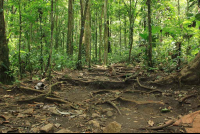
190,74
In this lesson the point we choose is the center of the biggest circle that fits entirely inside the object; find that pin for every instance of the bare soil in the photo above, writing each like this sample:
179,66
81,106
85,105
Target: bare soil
94,98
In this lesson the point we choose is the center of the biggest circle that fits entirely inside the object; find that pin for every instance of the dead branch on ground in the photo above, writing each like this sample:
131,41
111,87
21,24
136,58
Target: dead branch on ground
153,89
159,127
186,97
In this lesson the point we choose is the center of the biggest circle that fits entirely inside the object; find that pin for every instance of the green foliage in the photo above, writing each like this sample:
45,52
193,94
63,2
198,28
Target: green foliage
167,29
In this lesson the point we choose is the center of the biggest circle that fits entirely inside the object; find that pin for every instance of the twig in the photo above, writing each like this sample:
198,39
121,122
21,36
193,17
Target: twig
154,89
31,89
32,99
100,91
159,127
141,102
186,97
114,106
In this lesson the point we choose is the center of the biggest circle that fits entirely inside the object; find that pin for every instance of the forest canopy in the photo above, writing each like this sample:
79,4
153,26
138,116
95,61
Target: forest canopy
50,34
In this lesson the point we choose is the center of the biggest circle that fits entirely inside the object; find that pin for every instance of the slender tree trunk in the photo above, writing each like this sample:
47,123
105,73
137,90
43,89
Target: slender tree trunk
109,35
83,17
5,78
132,16
120,31
130,31
125,31
87,35
70,28
105,33
178,44
96,35
150,64
20,35
51,44
100,35
41,43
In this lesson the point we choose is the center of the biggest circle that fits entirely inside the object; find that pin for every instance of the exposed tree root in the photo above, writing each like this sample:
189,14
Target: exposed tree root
154,89
159,127
31,89
134,91
100,91
111,103
131,77
42,96
96,83
186,97
141,102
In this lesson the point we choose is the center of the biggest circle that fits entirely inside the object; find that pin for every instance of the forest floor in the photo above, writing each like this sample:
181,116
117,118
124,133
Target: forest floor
116,99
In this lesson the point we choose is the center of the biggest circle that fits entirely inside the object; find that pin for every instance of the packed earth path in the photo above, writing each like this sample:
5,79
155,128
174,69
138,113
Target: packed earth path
117,99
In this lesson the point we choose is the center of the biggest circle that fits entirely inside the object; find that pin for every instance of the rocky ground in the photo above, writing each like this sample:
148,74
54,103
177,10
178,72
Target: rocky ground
100,100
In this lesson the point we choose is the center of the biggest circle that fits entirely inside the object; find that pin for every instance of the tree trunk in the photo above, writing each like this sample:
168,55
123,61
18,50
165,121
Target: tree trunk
87,35
150,63
100,36
83,17
120,30
190,74
5,78
70,28
105,33
125,31
51,44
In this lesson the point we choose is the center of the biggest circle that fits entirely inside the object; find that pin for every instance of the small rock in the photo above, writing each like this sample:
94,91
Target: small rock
79,112
27,123
28,111
94,123
113,127
109,114
53,111
64,131
95,115
34,130
106,110
57,125
47,128
103,119
21,115
83,115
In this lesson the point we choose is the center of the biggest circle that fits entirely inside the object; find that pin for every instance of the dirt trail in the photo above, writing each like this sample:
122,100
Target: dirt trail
96,100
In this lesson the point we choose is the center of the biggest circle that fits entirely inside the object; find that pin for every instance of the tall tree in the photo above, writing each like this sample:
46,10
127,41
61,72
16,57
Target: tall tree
4,51
87,35
105,33
150,63
20,37
70,28
100,34
132,14
48,67
83,17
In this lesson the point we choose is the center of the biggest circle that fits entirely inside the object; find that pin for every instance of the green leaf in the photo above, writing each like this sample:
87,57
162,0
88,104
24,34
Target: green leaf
165,110
144,36
197,16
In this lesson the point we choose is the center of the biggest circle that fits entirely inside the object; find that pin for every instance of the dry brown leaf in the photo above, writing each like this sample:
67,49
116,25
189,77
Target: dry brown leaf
151,123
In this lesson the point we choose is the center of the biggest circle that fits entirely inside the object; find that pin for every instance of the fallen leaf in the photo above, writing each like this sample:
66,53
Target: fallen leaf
151,123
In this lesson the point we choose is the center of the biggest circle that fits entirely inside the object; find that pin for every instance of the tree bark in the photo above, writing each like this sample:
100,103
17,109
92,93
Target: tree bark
5,78
150,63
87,35
20,36
105,33
70,28
100,35
83,17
